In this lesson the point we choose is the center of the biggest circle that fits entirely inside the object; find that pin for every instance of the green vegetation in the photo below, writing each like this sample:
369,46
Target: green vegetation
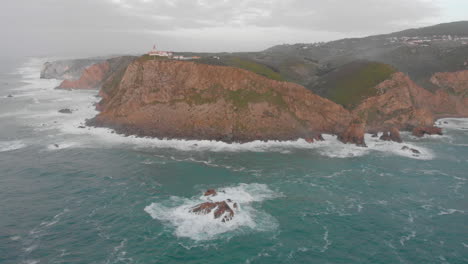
255,67
241,98
244,63
354,82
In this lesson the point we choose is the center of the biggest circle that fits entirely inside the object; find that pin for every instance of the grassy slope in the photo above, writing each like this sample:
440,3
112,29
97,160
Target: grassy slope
352,83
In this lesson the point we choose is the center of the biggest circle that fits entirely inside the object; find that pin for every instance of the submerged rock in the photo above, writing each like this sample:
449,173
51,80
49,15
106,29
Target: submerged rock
393,134
421,131
210,192
65,111
415,151
221,209
314,138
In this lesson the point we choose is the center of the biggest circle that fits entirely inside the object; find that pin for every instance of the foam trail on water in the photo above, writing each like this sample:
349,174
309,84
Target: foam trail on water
175,212
11,145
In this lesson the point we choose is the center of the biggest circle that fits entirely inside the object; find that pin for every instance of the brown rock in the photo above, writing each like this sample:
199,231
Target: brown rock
92,77
354,134
220,209
393,134
431,130
177,99
314,138
210,192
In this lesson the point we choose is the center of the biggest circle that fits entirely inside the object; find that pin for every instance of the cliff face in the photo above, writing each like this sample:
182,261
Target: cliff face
196,101
91,78
66,69
453,82
403,104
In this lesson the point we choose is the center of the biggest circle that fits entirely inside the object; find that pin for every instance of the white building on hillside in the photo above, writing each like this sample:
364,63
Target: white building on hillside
155,52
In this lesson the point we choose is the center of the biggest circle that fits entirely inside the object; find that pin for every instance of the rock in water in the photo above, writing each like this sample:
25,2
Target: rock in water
221,209
65,111
415,151
354,134
210,192
421,131
392,134
314,138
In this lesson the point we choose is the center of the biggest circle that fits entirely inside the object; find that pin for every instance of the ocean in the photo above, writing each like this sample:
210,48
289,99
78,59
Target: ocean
88,195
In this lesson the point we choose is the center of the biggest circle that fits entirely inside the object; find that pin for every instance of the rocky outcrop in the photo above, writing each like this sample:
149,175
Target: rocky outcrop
91,78
453,82
402,104
175,99
315,138
210,192
220,210
65,111
414,151
354,134
95,75
429,130
67,69
393,134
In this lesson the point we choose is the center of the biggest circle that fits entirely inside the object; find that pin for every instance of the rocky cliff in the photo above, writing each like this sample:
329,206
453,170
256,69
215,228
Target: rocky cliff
67,69
175,99
191,100
403,104
93,76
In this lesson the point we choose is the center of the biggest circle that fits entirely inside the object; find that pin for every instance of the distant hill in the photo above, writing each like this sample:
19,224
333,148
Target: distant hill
459,28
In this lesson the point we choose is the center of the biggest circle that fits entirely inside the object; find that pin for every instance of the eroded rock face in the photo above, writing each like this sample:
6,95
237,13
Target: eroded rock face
430,130
66,69
221,210
400,103
354,134
393,134
175,99
453,82
92,77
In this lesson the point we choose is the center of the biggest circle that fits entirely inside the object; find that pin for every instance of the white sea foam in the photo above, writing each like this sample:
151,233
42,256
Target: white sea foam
175,212
450,211
407,238
453,123
11,145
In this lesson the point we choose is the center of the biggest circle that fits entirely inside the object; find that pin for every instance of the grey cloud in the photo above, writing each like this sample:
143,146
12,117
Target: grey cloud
111,26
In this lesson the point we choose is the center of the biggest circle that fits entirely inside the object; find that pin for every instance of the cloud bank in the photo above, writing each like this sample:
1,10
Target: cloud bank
124,26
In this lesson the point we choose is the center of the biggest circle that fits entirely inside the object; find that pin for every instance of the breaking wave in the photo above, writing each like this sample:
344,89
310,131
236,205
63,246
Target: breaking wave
174,212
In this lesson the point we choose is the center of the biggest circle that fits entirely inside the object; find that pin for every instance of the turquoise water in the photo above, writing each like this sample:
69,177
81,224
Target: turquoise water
102,198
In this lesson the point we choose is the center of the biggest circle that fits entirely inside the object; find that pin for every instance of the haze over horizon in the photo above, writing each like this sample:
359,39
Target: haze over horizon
101,27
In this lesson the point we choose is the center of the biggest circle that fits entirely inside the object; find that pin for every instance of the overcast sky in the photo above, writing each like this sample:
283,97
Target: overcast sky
92,27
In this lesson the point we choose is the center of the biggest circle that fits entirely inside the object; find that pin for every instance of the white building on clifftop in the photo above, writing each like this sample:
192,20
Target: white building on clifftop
155,52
